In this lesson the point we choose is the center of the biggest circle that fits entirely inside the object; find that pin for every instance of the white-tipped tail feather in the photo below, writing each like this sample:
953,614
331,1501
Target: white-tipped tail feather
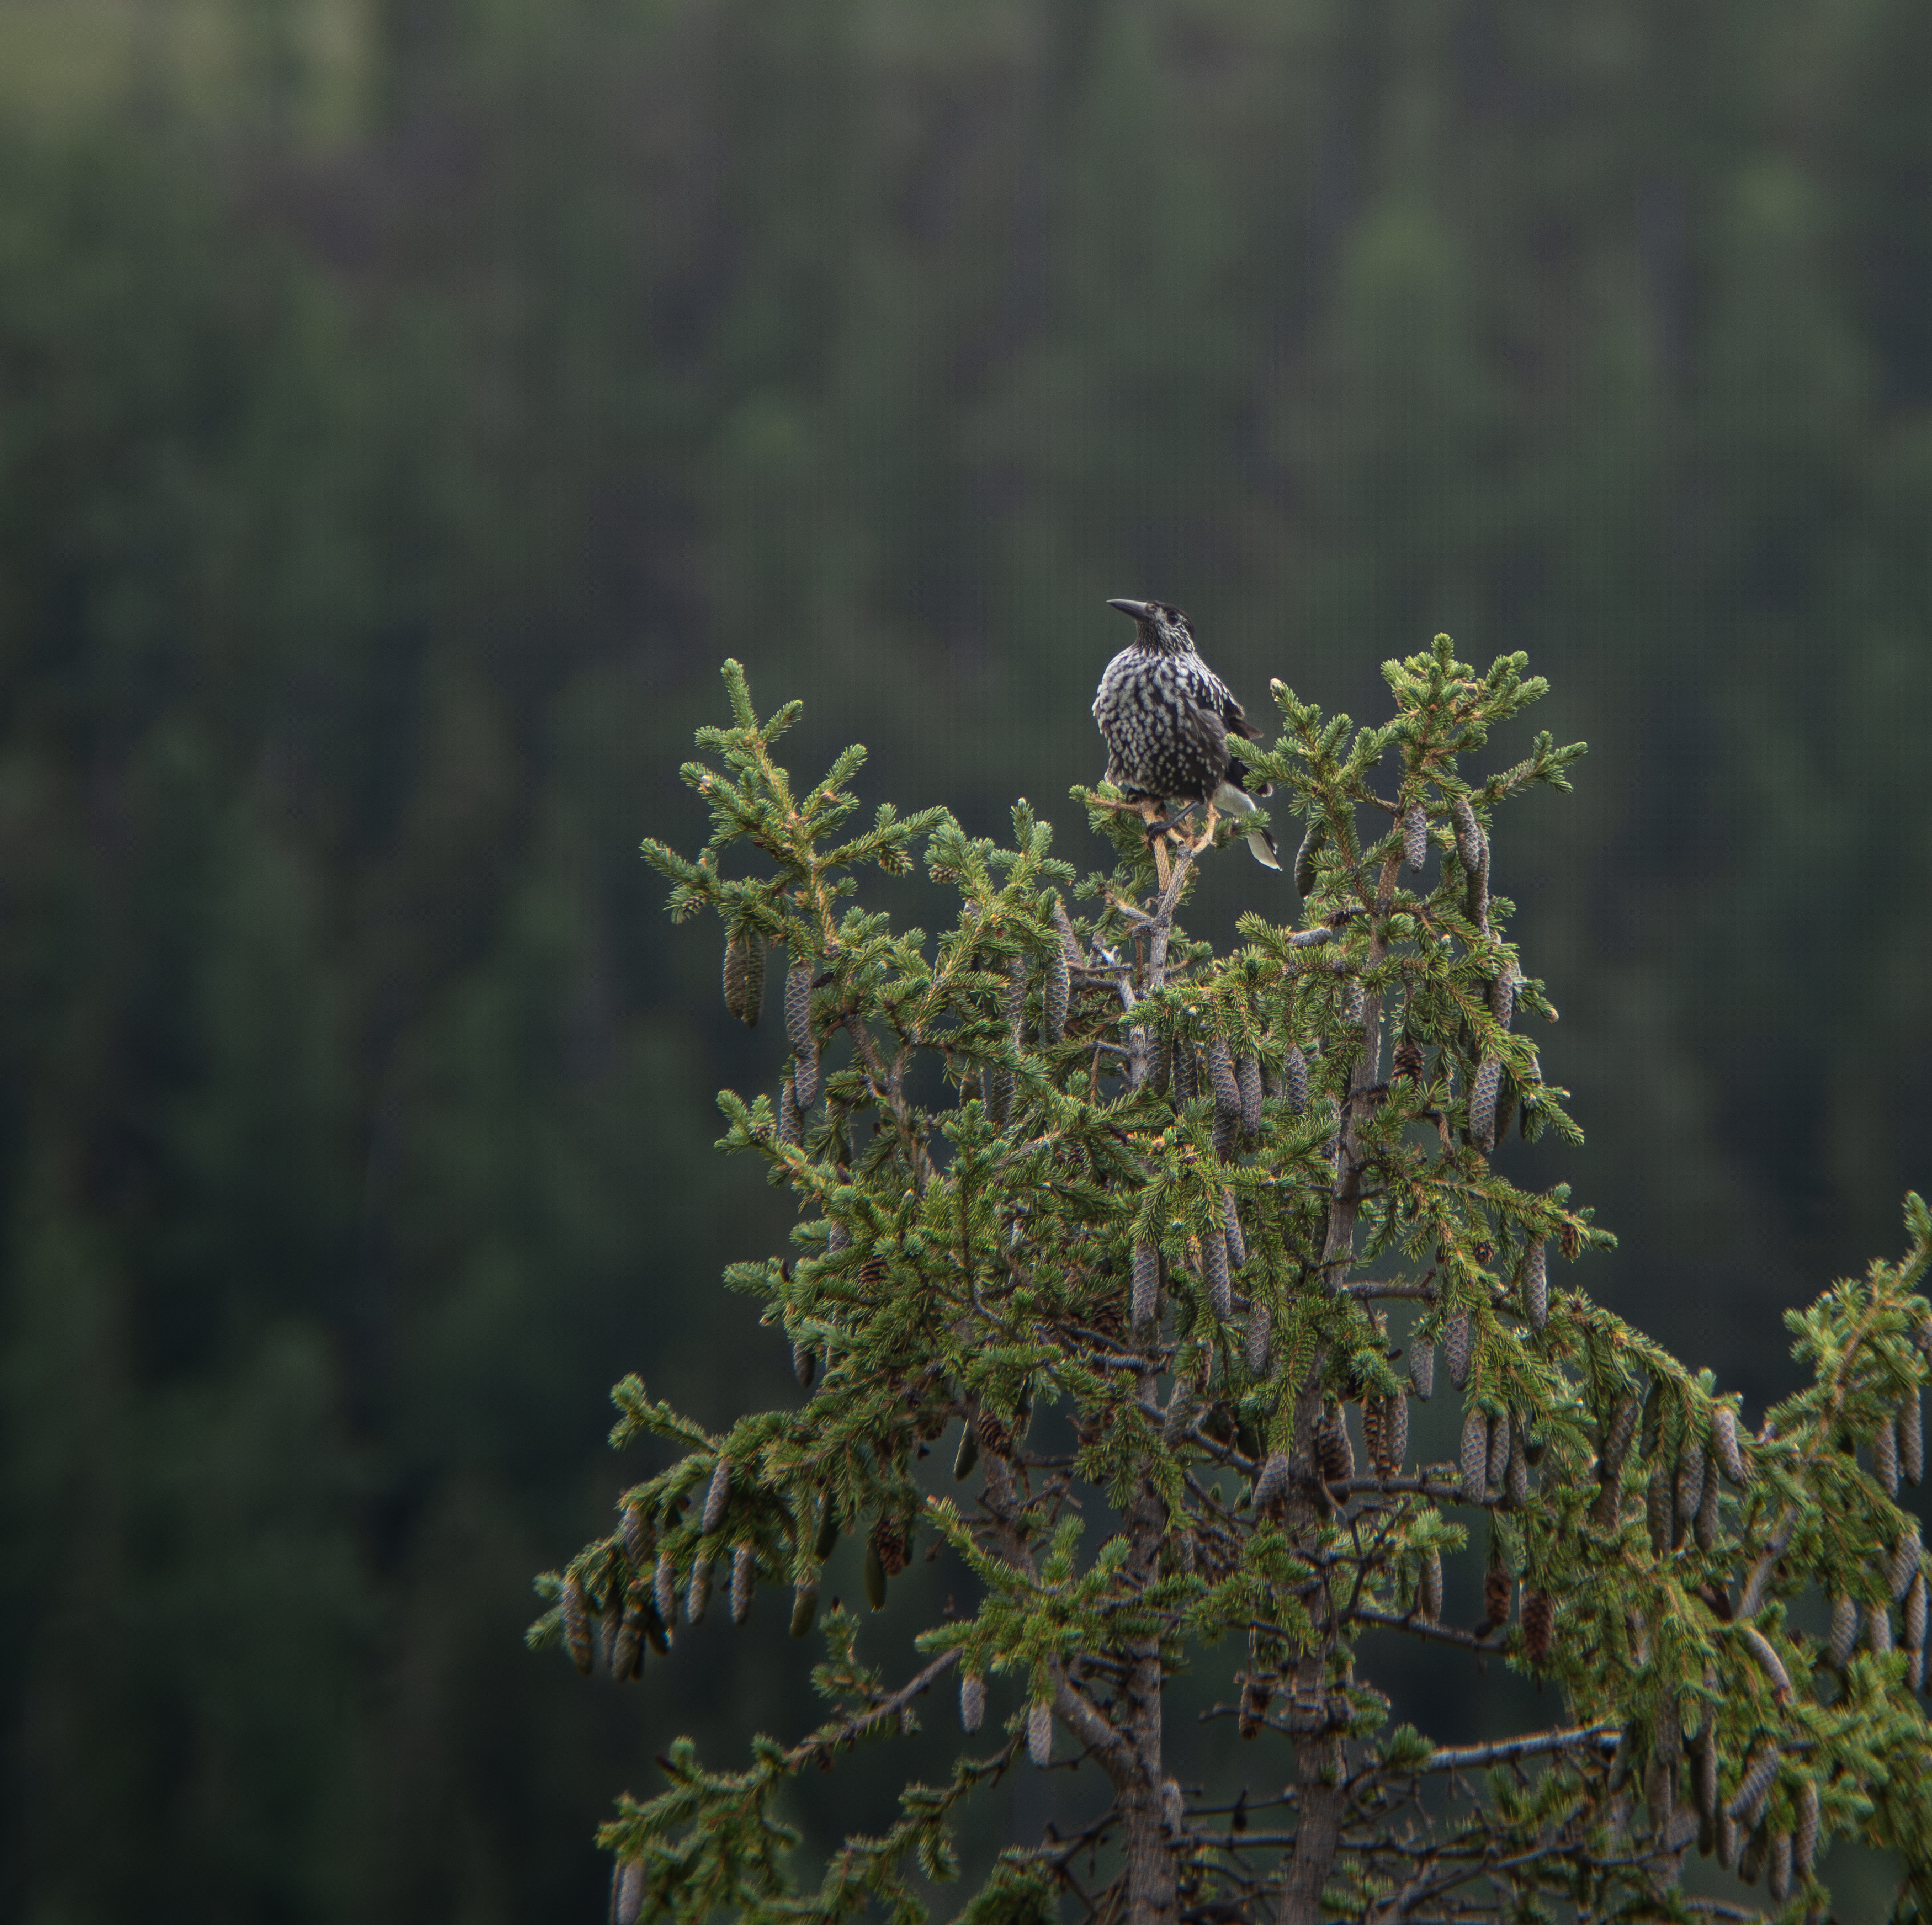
1231,800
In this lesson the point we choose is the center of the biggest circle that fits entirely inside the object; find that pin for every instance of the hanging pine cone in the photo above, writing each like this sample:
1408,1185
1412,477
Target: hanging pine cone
629,1900
663,1592
1227,1135
638,1536
1878,1632
1844,1629
1756,1848
997,1079
798,1009
1915,1613
1618,1428
1455,1346
1179,1417
1428,1588
1146,1283
1261,1337
1271,1486
1304,856
872,1572
1252,1714
1372,1422
1496,1598
972,1701
1214,1271
717,1496
1353,1005
1730,1841
1539,1623
1660,1511
1498,1466
1415,836
1778,1880
1395,1434
1570,1239
1016,996
1689,1484
1705,1528
744,1574
1536,1284
1422,1369
576,1629
1515,1486
1884,1457
1724,1442
1055,996
1039,1731
1704,1772
627,1644
1747,1802
1475,1455
1903,1566
1334,1452
697,1592
1408,1061
1248,1081
828,1527
1804,1845
1295,1079
1221,1079
996,1437
805,1081
791,1125
804,1363
1911,1440
1468,831
890,1535
804,1608
745,977
1483,1089
1771,1663
1187,1072
1237,1243
1502,997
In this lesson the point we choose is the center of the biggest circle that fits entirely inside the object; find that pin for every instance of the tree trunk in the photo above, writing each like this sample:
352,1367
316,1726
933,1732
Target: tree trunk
1321,1763
1150,1870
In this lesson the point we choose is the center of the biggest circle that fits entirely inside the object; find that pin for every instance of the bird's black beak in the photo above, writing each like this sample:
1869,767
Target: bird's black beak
1138,610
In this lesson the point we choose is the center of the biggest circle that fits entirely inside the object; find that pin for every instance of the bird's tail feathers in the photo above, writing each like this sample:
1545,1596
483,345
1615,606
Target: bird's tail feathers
1233,800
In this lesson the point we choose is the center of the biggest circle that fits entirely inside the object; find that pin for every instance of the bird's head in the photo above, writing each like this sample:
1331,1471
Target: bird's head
1158,626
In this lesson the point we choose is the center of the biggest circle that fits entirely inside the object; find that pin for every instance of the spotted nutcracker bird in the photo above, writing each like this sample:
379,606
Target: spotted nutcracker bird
1166,716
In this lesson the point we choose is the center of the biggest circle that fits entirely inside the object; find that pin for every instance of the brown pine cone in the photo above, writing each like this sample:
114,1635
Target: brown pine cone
1455,1346
576,1628
1415,835
1295,1079
1496,1598
1252,1714
1539,1623
1336,1453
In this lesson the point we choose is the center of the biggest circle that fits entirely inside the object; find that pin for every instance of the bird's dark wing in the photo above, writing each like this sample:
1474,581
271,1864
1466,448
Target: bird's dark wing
1234,720
1207,737
1236,723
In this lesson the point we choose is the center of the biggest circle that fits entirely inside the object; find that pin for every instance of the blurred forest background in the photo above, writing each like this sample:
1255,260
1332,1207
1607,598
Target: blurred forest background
403,407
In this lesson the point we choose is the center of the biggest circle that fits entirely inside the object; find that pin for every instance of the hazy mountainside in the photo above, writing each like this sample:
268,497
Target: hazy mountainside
373,517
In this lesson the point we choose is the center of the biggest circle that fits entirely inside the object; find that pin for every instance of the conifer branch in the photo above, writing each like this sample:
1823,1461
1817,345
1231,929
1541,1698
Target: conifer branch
1117,1182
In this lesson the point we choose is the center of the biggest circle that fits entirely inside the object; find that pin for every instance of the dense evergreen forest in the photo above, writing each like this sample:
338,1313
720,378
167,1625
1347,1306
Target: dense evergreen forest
404,410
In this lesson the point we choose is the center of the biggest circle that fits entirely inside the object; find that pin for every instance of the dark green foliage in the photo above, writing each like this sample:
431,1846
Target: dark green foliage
962,1262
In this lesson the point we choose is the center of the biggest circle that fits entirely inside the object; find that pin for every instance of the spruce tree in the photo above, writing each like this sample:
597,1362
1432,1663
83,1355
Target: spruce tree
1221,1214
